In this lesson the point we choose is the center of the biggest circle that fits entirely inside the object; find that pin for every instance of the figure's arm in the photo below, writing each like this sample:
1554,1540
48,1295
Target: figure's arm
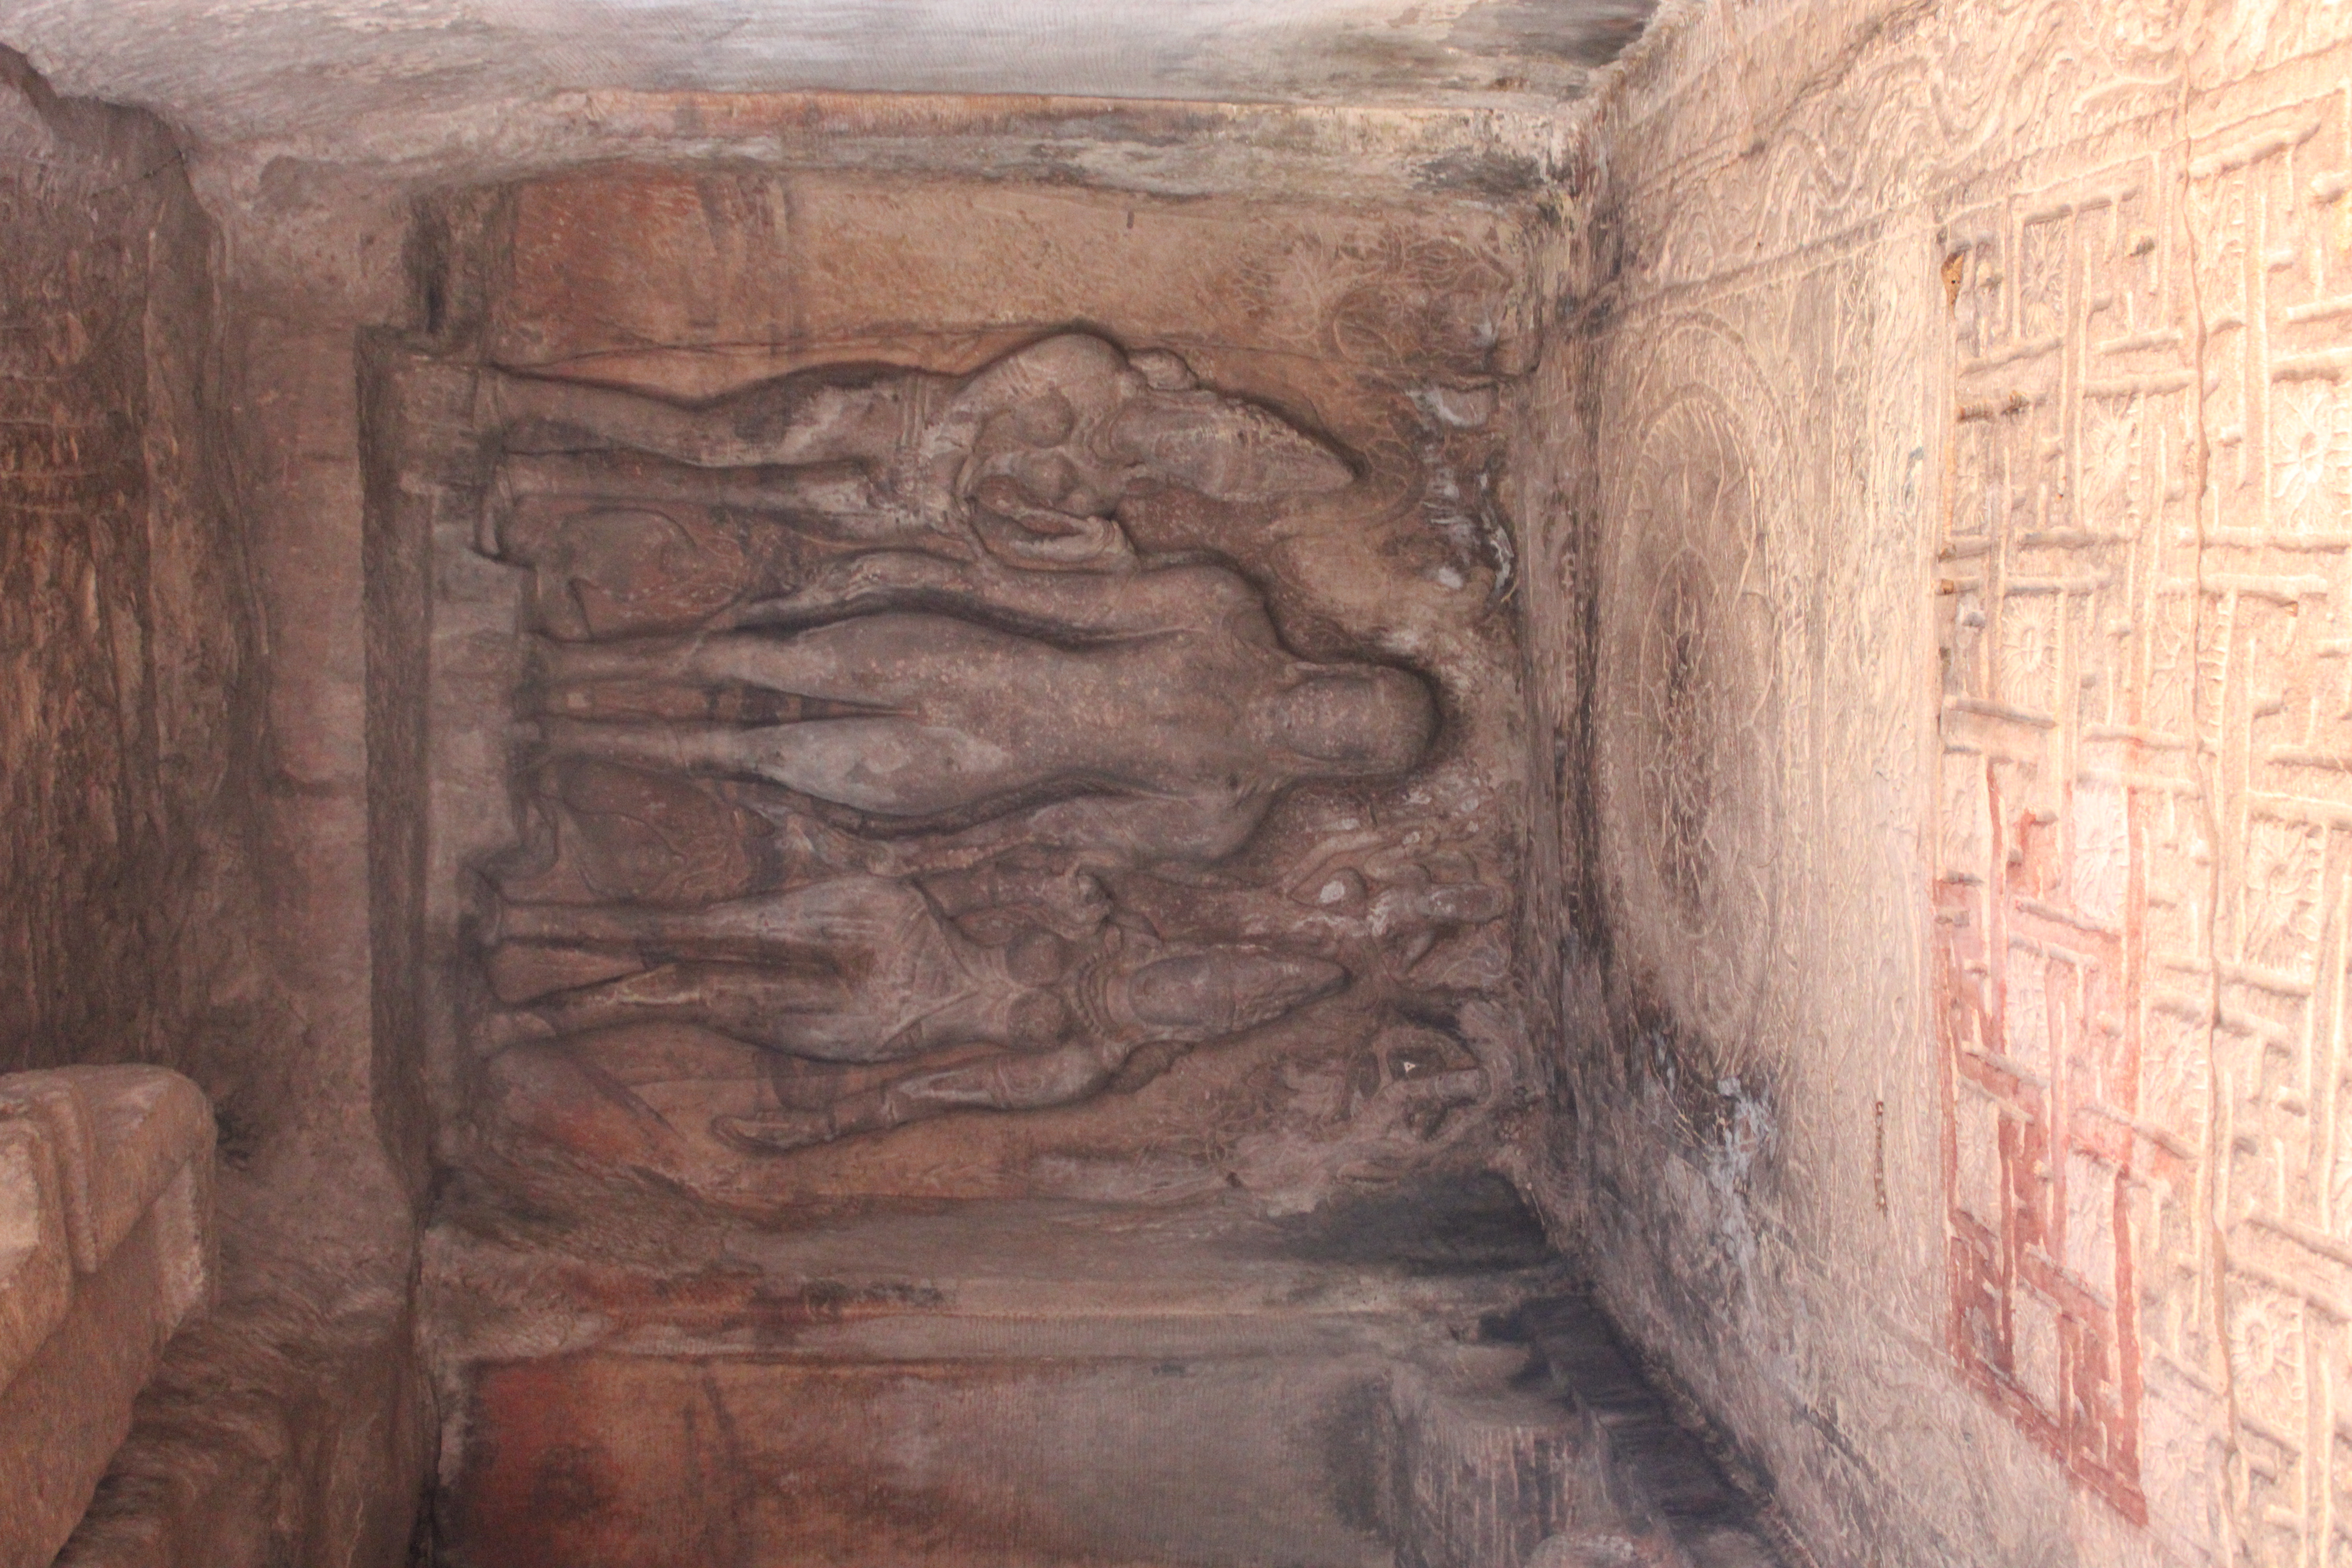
1114,831
1049,378
1007,1081
1015,531
1109,604
793,420
1070,900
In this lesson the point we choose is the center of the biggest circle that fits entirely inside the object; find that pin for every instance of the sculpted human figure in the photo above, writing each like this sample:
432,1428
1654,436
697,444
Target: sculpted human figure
1045,439
865,969
853,969
1181,999
1144,713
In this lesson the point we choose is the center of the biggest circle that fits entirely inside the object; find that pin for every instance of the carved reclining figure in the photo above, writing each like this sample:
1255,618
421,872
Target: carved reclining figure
1047,435
1181,999
865,969
1143,713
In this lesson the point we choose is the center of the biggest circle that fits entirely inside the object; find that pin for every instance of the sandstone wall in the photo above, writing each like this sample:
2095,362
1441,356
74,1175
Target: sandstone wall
127,625
1943,585
158,614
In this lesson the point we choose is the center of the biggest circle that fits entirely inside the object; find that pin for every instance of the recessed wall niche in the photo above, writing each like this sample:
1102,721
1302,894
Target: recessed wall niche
876,680
924,693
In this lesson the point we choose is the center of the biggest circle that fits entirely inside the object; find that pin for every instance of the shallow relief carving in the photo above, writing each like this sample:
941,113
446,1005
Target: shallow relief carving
1688,787
2131,344
863,769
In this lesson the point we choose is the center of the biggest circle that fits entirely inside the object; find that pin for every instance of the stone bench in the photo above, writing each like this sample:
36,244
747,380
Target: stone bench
105,1248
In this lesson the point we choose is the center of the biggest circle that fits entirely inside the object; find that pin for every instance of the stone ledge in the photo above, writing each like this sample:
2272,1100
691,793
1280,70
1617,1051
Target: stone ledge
105,1248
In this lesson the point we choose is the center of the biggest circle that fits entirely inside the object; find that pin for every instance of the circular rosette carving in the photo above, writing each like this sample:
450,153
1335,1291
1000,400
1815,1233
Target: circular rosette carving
1688,715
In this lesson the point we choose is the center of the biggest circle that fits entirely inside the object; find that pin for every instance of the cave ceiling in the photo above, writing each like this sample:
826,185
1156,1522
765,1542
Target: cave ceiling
360,78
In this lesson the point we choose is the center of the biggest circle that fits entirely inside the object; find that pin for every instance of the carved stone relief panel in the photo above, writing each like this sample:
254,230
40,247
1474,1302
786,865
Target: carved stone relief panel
879,743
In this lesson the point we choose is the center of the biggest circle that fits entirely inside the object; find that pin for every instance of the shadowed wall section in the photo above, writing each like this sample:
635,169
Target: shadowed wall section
128,626
137,796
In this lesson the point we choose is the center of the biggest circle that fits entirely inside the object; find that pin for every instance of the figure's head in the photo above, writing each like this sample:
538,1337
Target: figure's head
1221,448
1356,721
1222,991
1070,422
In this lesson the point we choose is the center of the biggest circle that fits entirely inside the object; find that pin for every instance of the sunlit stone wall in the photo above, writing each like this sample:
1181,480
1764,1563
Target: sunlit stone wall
1946,593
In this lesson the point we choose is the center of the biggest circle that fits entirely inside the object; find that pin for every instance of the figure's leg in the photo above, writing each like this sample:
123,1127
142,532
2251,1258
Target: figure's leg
598,925
887,766
570,664
822,488
994,1083
697,748
890,662
669,991
812,663
886,662
890,767
544,415
840,920
776,1008
793,420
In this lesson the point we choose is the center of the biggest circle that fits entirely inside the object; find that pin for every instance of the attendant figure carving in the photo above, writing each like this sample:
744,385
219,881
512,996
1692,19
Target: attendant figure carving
864,969
1027,454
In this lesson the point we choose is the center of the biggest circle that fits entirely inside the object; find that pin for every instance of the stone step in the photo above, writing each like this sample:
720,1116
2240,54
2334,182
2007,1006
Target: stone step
1410,1381
105,1248
1654,1471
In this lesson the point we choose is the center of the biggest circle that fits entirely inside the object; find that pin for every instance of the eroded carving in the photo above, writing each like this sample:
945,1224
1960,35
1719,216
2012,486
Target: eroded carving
866,970
1691,628
1031,454
858,712
1147,710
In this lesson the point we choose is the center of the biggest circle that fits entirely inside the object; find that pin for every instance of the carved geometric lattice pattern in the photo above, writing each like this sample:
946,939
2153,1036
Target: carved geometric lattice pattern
2146,822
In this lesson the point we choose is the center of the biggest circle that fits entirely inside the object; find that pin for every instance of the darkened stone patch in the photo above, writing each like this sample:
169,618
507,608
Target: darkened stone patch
1482,173
1578,32
1660,1468
1444,1224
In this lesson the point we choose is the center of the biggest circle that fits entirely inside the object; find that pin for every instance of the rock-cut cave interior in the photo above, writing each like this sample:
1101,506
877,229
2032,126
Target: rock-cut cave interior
1314,784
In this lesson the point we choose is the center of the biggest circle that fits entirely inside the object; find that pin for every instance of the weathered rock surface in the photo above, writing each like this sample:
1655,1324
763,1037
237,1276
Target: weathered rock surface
106,1246
146,869
1865,491
1938,621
